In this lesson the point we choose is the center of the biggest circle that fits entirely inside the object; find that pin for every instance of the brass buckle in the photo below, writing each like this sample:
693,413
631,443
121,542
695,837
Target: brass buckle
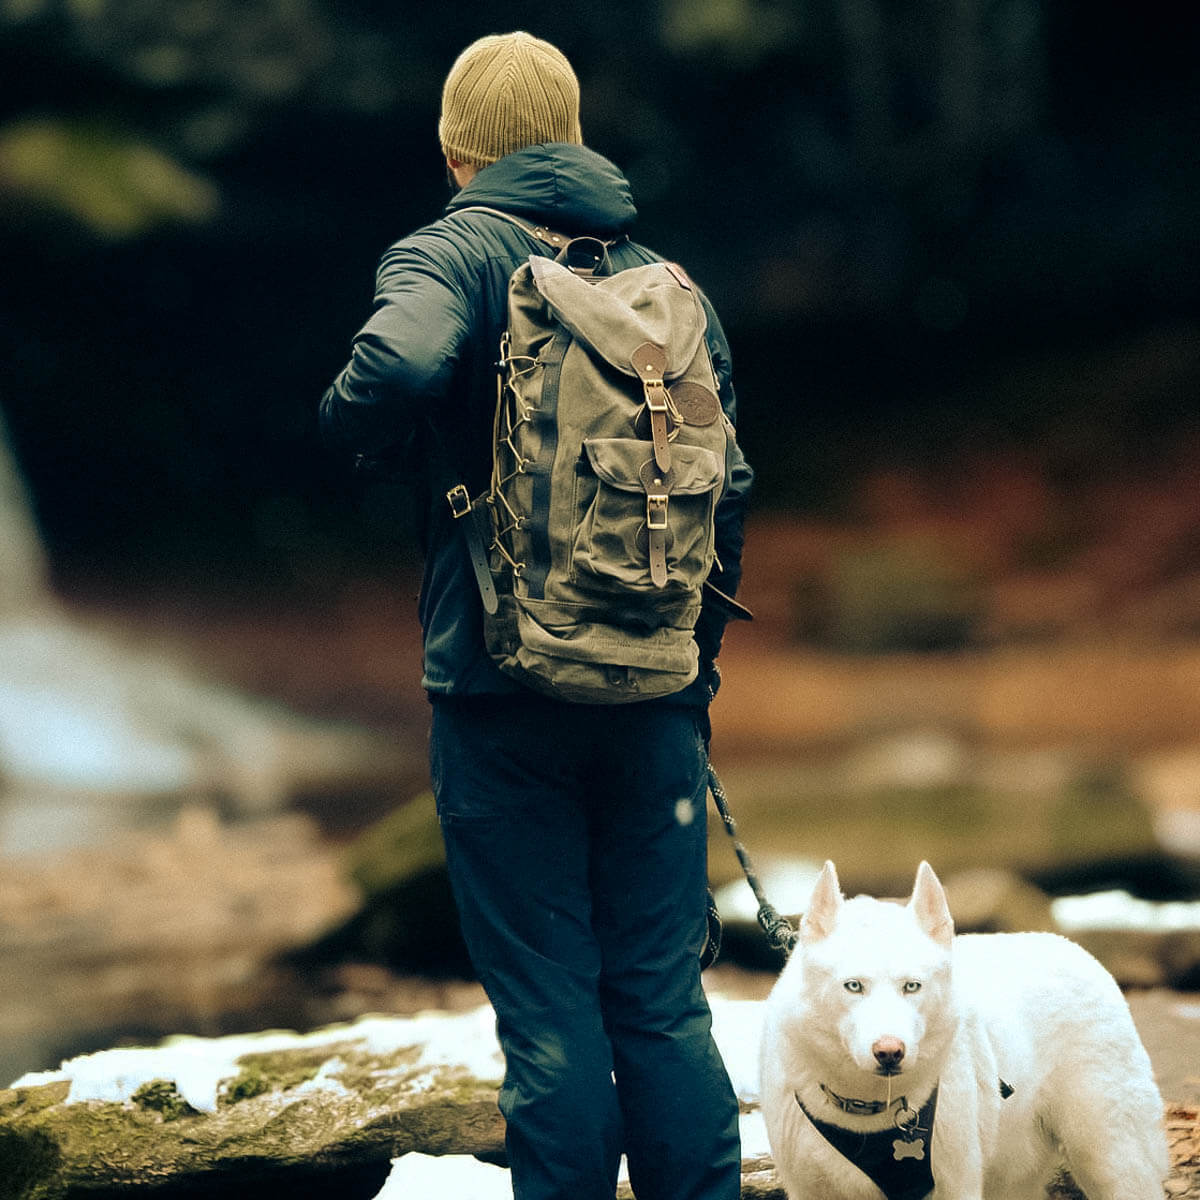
656,510
656,395
459,500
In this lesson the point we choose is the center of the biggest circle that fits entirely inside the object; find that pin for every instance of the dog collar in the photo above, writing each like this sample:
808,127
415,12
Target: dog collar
861,1108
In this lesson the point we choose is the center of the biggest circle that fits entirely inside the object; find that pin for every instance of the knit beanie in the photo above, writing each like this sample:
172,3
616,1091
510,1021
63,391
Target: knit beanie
504,92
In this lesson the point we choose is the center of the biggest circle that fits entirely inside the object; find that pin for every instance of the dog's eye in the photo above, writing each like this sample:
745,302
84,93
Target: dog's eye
913,985
853,985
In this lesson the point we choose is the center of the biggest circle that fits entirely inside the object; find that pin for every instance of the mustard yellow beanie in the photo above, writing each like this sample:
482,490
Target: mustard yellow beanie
504,92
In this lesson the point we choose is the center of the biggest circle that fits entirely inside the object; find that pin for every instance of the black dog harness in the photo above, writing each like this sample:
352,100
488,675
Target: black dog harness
897,1160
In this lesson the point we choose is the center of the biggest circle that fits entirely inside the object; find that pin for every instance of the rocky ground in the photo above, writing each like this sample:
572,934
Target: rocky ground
197,937
333,1111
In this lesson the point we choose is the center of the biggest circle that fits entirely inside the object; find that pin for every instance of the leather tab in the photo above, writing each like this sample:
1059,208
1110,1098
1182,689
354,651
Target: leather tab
649,361
680,275
559,241
653,480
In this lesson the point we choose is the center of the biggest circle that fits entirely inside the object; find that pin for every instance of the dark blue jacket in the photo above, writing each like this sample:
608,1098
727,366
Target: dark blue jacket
426,357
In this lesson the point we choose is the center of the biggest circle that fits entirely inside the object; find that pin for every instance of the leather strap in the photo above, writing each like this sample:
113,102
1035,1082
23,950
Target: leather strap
468,517
650,362
658,499
656,529
477,552
547,236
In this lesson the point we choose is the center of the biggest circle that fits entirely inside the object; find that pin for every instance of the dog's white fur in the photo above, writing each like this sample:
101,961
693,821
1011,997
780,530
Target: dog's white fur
1032,1009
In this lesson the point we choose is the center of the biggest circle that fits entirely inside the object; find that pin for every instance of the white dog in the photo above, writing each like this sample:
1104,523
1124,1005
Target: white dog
901,1061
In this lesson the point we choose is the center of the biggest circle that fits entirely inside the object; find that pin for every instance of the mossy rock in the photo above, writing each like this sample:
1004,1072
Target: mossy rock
408,919
162,1096
404,845
275,1124
878,833
912,595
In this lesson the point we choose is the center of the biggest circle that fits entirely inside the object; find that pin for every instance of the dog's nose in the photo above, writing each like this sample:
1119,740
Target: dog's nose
889,1052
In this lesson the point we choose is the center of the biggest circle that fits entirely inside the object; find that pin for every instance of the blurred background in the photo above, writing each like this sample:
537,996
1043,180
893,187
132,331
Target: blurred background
956,249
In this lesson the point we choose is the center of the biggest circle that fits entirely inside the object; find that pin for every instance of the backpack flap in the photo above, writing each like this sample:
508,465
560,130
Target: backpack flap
616,314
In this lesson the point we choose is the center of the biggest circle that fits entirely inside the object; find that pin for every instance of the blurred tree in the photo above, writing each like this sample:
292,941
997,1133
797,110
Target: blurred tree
115,185
194,194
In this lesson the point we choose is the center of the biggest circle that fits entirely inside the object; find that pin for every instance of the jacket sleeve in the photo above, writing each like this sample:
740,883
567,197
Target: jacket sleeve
731,511
405,355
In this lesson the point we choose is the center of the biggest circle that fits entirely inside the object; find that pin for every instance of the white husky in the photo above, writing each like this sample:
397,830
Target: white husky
1016,1051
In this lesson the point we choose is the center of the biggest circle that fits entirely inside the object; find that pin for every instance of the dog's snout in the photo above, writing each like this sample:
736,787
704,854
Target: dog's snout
889,1052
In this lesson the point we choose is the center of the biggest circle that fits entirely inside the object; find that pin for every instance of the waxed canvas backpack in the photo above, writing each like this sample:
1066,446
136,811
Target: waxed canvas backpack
594,540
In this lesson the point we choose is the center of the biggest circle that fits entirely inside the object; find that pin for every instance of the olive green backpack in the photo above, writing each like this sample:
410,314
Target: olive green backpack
595,538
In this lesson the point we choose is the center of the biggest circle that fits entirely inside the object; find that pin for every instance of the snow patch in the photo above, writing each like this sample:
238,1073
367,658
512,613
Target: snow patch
198,1066
457,1175
1120,910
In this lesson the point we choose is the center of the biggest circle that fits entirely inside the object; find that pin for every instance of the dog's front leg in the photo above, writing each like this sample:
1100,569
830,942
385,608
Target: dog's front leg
958,1136
957,1165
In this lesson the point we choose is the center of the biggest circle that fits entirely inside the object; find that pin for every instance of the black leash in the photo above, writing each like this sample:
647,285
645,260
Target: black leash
781,933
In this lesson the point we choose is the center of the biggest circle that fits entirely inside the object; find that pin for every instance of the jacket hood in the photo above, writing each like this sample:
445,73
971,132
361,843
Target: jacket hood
559,185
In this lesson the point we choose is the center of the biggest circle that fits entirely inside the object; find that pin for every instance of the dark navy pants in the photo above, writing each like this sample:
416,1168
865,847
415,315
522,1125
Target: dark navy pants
576,843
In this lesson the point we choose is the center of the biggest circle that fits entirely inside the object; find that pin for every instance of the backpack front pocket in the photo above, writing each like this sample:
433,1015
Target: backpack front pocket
618,497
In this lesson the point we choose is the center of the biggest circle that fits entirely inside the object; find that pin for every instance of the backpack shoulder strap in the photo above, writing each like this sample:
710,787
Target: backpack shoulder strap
549,237
539,232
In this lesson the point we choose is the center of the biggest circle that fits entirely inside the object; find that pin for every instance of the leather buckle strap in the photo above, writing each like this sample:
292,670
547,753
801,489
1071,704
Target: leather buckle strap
657,484
656,536
459,500
650,363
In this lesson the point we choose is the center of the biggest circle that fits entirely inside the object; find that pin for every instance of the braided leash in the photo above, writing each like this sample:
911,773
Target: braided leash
781,933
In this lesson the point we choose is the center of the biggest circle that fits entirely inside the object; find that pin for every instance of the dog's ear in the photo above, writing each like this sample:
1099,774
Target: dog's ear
929,906
823,908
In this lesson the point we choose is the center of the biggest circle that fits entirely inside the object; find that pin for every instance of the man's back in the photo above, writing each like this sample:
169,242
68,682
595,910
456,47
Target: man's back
428,353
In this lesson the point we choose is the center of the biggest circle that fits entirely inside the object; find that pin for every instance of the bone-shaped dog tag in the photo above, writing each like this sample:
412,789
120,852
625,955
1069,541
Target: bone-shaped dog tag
903,1148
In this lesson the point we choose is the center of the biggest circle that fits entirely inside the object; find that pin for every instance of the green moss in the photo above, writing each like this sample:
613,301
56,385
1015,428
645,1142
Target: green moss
161,1096
250,1083
279,1070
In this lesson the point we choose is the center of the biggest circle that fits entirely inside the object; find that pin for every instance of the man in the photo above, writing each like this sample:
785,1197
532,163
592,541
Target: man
575,834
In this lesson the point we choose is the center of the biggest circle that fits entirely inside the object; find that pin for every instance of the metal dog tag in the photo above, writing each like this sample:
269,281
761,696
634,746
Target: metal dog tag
903,1148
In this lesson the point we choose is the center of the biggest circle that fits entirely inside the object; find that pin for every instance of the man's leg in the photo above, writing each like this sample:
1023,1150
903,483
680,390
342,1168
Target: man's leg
507,779
649,872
